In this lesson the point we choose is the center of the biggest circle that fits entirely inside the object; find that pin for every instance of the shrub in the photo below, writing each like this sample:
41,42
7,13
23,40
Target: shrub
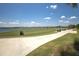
21,33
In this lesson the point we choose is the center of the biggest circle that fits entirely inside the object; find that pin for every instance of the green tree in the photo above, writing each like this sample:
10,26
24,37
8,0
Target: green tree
77,26
21,33
71,26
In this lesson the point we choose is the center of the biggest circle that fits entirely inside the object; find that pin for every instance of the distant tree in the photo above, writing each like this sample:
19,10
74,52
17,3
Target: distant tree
71,26
74,5
77,26
21,33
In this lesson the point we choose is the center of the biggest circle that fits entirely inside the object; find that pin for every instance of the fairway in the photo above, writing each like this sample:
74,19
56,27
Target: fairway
56,46
28,31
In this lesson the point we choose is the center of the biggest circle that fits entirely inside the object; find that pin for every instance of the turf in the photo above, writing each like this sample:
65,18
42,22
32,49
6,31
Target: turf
28,32
56,47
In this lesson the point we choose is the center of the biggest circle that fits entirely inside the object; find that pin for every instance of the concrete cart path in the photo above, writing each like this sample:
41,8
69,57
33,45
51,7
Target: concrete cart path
21,46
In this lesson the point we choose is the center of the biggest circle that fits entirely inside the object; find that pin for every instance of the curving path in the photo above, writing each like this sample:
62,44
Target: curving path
21,46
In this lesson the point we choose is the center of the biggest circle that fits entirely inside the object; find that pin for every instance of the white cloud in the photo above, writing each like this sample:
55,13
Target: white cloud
2,22
30,24
73,17
47,7
60,20
48,18
13,22
53,6
62,17
33,22
66,22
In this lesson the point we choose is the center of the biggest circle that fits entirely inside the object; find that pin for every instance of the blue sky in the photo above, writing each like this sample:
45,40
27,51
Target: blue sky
37,14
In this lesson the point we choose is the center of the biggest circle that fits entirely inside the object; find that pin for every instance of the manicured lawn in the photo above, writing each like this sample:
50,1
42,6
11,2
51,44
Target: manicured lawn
28,32
56,47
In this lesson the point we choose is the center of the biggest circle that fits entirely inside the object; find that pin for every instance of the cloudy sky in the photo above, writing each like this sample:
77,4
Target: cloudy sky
45,14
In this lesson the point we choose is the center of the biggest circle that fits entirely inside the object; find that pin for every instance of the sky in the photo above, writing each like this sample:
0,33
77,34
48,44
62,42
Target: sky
37,14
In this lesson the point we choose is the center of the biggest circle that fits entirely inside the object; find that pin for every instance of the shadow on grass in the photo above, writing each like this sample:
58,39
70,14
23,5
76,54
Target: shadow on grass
76,44
68,50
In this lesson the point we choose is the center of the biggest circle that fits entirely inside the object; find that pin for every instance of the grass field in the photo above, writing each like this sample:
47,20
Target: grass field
61,46
34,31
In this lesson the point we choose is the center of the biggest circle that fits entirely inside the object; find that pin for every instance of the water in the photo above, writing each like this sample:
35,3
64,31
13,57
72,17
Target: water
5,29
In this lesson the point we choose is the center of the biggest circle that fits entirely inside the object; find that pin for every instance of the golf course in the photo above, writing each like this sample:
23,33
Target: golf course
39,29
63,46
26,45
27,31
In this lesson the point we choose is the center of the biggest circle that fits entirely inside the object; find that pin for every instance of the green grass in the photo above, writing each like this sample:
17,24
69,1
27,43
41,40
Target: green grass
28,32
55,47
